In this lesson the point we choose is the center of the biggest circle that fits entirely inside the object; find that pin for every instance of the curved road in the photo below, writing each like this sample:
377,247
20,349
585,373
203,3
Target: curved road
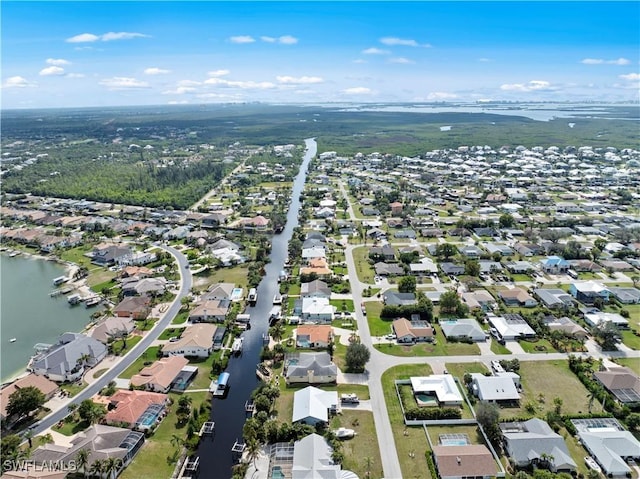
131,356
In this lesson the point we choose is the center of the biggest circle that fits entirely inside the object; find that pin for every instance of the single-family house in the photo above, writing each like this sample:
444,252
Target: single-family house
312,458
565,325
459,462
449,268
412,331
588,291
313,252
396,208
554,298
471,251
503,249
528,249
310,368
622,382
210,311
145,287
531,442
315,289
313,336
317,310
44,385
160,375
439,387
319,266
489,267
511,327
195,341
66,360
136,307
109,254
140,410
101,441
426,266
388,269
219,291
479,299
112,328
517,297
554,265
498,389
314,406
393,298
463,329
519,267
625,295
594,318
609,443
384,253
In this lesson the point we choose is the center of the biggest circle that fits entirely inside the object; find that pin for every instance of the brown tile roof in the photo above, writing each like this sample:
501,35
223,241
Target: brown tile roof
199,335
43,384
460,461
162,372
131,404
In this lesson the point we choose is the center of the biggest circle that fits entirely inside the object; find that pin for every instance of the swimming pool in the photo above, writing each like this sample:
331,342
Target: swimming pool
276,473
149,416
236,294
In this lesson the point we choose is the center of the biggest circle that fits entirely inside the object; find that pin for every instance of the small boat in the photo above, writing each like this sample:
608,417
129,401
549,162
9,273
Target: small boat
592,464
344,433
12,340
236,347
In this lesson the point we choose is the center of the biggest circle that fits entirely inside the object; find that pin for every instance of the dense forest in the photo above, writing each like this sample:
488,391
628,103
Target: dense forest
87,153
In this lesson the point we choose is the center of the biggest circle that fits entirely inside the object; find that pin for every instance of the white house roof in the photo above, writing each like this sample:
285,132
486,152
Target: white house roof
597,317
314,306
443,385
495,388
462,327
609,447
511,328
313,402
312,459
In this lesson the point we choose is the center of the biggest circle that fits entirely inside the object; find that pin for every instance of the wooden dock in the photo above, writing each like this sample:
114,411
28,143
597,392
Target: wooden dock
207,428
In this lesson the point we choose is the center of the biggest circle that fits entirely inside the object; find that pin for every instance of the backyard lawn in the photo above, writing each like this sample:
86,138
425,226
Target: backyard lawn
150,355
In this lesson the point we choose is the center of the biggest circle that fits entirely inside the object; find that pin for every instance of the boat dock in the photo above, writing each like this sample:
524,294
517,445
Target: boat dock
207,428
249,407
219,387
74,299
92,301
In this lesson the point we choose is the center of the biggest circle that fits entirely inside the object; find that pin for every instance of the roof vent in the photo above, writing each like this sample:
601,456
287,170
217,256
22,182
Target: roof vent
459,460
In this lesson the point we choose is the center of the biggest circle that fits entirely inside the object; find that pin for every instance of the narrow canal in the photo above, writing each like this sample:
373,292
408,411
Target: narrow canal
216,458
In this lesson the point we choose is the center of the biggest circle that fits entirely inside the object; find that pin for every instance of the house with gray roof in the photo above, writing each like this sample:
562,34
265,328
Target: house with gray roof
393,298
532,442
452,268
463,328
609,444
554,298
66,360
622,382
314,406
497,389
388,269
310,368
626,295
315,289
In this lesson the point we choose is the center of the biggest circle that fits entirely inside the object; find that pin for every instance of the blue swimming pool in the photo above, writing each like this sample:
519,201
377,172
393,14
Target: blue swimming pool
150,416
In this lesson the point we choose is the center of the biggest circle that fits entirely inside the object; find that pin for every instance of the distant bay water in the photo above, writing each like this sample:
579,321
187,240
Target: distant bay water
28,313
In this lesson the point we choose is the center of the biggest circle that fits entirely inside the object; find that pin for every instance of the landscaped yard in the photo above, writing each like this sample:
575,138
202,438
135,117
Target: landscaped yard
236,275
119,349
498,348
631,363
343,304
73,388
149,356
537,346
363,268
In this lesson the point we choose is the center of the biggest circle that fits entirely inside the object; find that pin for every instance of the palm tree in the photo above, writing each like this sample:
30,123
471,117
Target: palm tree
97,467
277,331
82,459
111,466
177,441
254,448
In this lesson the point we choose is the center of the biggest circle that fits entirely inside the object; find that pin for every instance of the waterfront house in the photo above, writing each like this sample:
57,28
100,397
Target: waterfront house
145,287
313,458
109,254
160,375
219,291
458,462
313,336
44,385
67,359
136,307
315,289
112,328
310,368
195,341
319,266
213,310
140,410
529,443
101,441
317,310
314,406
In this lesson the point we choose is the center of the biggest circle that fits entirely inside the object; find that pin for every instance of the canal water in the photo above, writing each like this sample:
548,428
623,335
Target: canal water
28,314
216,458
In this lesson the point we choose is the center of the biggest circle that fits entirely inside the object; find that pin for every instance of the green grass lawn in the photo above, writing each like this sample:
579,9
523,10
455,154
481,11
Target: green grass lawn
101,278
363,268
550,379
459,369
294,290
632,363
441,348
154,460
76,255
407,439
236,275
362,453
181,318
377,326
631,340
343,304
70,426
171,332
537,346
498,348
150,355
119,348
73,388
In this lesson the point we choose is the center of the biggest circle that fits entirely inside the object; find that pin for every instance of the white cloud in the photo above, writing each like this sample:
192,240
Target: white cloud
287,40
268,39
177,102
180,90
242,39
375,51
123,83
83,38
156,71
404,42
533,85
631,77
401,60
218,73
243,85
17,82
299,80
57,61
105,37
441,95
358,90
600,61
75,75
52,71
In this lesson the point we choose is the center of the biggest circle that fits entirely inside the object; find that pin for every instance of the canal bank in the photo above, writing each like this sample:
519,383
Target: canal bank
216,458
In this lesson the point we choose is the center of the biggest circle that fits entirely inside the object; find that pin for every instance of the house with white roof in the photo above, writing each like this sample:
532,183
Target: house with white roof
312,458
441,386
317,310
498,389
588,291
463,328
313,406
595,317
511,327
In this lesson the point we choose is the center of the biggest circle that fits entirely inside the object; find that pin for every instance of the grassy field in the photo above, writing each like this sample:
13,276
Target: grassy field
76,255
119,348
363,268
542,381
537,346
459,369
236,275
498,348
631,340
632,363
362,453
343,304
441,348
150,355
408,439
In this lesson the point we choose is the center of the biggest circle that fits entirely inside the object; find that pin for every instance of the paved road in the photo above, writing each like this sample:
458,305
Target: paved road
131,356
380,362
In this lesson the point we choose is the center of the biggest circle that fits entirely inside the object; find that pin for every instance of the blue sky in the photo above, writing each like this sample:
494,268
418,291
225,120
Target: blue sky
58,54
